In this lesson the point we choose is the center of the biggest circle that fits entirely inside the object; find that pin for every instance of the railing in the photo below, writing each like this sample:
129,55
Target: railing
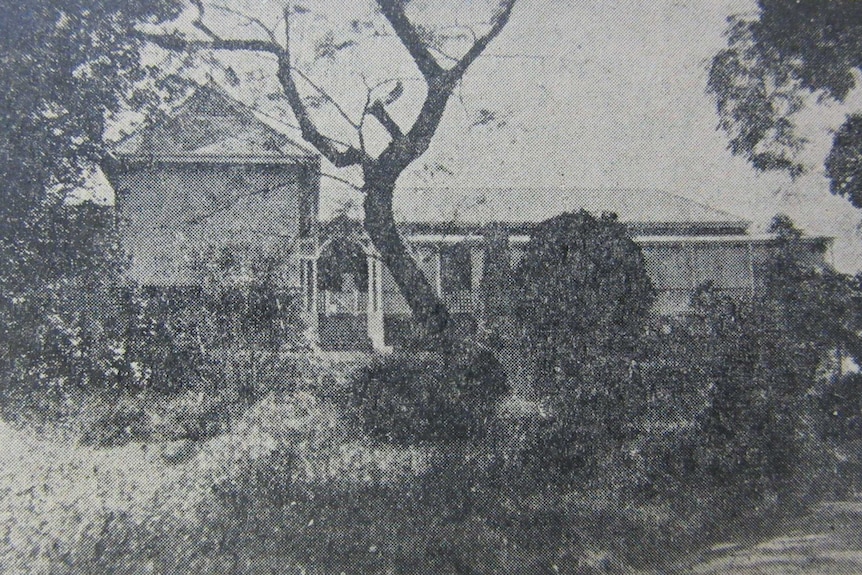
339,303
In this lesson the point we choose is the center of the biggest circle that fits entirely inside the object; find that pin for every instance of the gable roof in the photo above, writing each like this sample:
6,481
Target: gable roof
211,126
472,208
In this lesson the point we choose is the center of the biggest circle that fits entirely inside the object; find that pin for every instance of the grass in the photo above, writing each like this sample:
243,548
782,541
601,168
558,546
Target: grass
279,480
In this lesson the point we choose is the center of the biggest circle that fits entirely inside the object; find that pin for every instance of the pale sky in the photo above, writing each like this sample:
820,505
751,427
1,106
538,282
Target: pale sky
612,94
587,93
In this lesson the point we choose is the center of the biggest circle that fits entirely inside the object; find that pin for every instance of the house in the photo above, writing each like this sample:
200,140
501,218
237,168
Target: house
685,244
212,178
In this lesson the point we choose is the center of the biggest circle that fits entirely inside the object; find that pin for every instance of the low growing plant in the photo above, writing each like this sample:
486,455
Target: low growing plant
428,396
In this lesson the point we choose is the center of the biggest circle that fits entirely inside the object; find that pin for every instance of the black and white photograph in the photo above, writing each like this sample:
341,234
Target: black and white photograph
430,287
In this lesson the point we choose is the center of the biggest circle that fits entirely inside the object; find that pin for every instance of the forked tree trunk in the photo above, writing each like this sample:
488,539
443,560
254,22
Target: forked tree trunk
429,311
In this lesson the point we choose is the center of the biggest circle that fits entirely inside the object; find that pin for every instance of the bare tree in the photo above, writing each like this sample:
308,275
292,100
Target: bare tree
441,74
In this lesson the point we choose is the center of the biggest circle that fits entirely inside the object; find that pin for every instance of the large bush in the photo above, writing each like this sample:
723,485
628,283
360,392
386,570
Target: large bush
428,396
583,294
583,297
727,397
60,322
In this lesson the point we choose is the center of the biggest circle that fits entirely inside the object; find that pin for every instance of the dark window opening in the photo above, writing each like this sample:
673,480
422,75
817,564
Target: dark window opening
456,268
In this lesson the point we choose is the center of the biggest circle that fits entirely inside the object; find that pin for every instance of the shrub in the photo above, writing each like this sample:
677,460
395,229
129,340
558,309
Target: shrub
840,409
583,299
583,293
428,396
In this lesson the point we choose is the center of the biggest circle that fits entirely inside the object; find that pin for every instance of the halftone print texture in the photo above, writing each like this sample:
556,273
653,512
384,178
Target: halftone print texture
410,287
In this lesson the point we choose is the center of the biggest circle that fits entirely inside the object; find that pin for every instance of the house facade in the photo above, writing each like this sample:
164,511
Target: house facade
213,178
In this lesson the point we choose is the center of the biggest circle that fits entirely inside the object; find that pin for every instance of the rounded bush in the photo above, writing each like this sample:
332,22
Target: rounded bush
428,396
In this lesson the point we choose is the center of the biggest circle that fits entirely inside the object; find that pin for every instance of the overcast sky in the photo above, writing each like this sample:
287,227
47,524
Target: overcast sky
612,93
585,93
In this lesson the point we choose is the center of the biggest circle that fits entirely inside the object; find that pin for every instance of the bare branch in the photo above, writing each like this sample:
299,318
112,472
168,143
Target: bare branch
199,21
402,150
251,19
326,97
178,43
479,46
340,158
393,11
227,205
361,129
281,121
379,113
344,181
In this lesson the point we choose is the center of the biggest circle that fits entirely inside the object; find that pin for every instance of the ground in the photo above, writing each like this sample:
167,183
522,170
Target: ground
828,540
69,508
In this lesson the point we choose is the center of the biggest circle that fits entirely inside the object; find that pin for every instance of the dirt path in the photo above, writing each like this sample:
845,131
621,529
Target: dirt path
828,541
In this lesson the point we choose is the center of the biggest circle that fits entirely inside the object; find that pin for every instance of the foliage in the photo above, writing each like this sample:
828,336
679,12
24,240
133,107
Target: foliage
428,396
844,162
65,69
759,432
582,299
65,332
722,402
840,409
244,300
582,293
223,385
761,79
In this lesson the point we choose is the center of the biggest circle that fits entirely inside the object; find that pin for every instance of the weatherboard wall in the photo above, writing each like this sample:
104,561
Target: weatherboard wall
174,215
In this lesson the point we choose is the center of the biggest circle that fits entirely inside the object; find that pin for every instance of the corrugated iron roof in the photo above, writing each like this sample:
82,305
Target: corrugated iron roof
477,207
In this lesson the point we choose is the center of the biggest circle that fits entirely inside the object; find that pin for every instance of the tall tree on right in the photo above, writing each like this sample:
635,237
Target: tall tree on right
771,65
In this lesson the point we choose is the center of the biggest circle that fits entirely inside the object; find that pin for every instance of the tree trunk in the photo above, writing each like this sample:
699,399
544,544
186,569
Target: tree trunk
429,311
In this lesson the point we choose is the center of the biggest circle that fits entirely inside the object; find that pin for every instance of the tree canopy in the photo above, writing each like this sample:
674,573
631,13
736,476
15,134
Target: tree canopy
65,68
772,64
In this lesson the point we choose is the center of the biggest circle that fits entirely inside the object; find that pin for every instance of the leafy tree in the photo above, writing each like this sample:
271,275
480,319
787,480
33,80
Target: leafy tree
771,63
65,67
844,162
427,44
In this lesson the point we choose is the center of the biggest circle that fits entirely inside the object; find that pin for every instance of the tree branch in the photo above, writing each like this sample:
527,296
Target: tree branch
403,150
281,121
199,21
479,46
177,43
251,19
339,158
326,97
344,181
393,11
379,113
